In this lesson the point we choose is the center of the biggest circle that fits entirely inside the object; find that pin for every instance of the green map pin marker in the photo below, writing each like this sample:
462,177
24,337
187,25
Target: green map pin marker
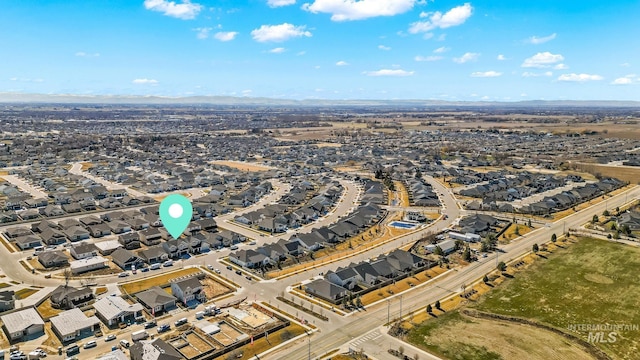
175,213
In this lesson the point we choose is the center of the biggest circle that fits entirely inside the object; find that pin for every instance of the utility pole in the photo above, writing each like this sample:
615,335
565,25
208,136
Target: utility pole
401,307
309,338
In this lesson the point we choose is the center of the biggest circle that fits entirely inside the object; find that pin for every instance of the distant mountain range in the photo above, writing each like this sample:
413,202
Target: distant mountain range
8,97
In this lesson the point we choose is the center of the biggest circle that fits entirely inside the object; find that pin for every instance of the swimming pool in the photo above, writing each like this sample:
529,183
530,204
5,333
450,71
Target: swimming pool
402,225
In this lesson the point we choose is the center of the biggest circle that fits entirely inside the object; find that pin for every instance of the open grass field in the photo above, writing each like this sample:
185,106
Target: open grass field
491,340
585,284
577,282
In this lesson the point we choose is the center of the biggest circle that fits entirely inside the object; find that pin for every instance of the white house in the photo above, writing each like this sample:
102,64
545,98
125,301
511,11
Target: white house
73,324
22,323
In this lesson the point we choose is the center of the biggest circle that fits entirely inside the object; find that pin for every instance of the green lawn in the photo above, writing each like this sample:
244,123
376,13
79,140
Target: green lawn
591,282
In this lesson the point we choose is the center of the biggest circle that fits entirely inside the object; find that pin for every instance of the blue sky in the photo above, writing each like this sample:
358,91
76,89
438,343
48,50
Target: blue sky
497,50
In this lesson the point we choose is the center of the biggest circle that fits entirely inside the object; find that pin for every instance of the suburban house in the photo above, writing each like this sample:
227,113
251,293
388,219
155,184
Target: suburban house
7,300
176,248
325,289
23,323
447,247
15,232
67,297
76,233
153,255
119,227
344,277
54,258
156,300
126,259
188,290
630,219
88,264
130,241
249,258
99,230
51,236
28,242
73,325
113,310
150,236
83,250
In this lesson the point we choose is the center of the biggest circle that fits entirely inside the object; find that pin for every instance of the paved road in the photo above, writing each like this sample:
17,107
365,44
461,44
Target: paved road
26,187
361,323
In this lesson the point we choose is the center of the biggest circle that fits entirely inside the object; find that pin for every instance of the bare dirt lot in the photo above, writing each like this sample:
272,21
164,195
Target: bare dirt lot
213,289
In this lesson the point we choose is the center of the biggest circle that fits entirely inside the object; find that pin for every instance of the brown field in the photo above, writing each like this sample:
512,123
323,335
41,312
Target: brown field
144,284
624,173
242,166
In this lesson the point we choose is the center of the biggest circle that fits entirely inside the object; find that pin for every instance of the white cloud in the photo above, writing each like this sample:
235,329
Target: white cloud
382,47
145,81
541,40
279,33
622,81
278,3
501,57
389,72
427,58
626,80
490,73
203,33
300,53
278,50
437,20
84,54
225,35
344,10
561,67
185,10
542,60
625,64
466,58
579,77
442,49
533,74
342,63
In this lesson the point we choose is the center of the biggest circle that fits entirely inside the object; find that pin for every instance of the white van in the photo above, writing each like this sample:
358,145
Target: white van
155,266
90,344
168,263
